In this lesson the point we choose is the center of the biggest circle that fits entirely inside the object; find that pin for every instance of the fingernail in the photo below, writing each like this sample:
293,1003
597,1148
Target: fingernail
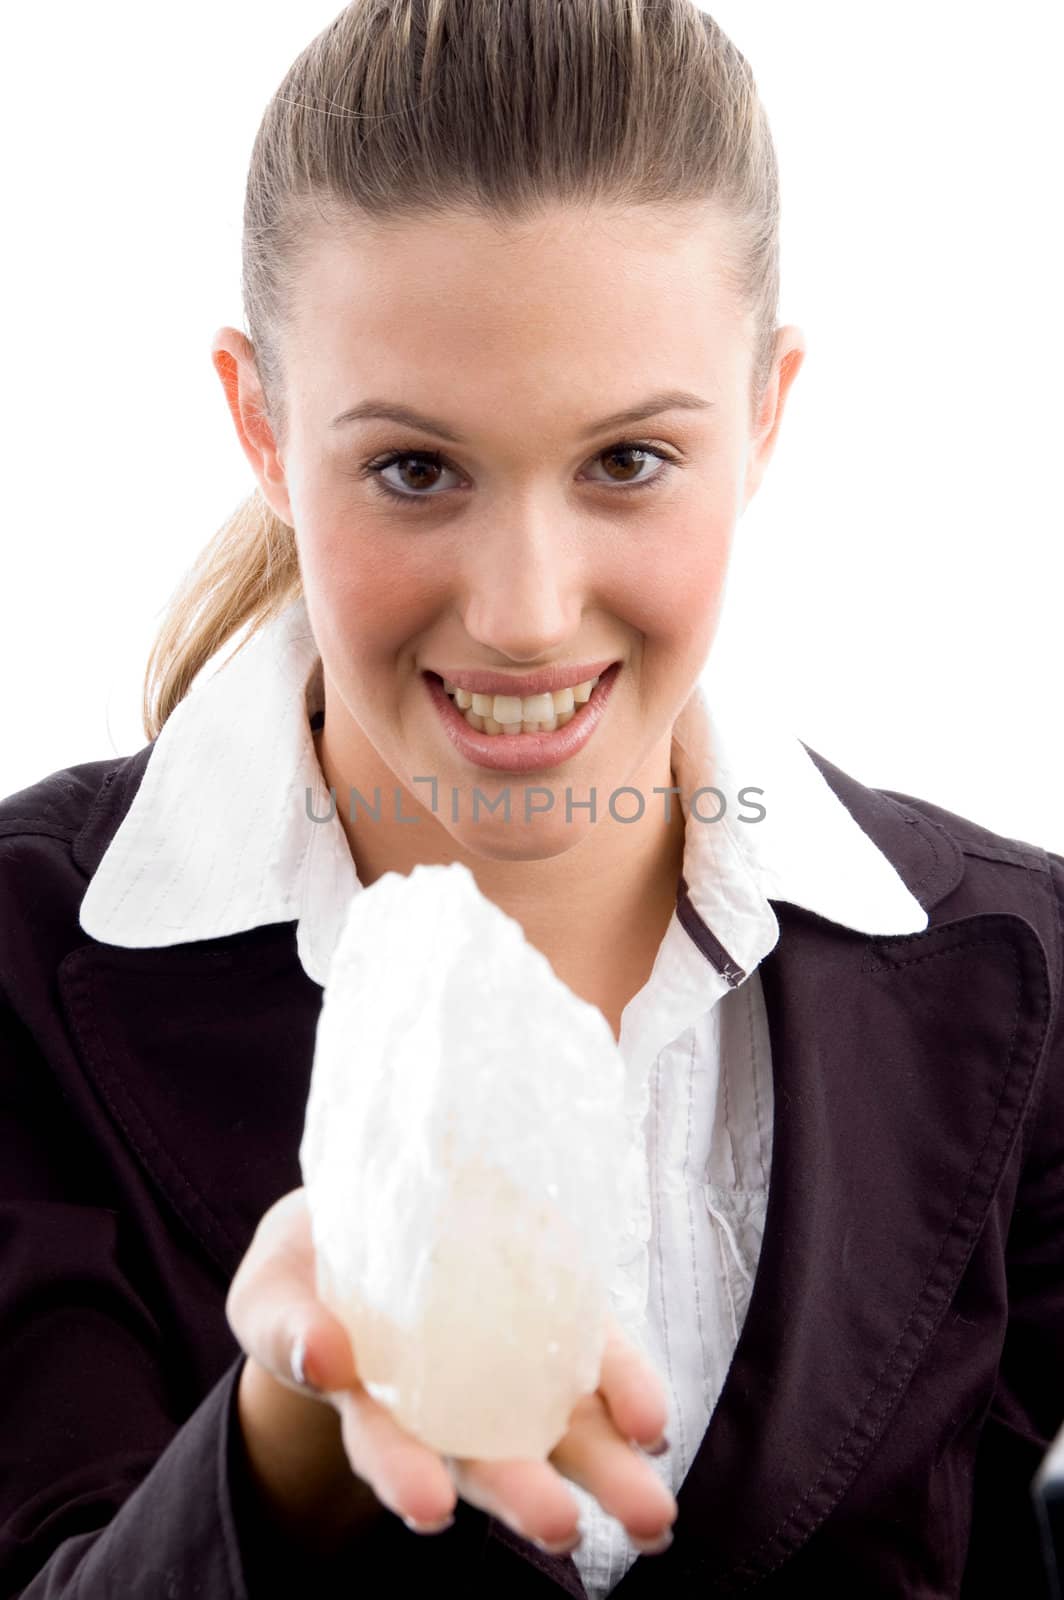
299,1365
654,1547
563,1549
658,1448
429,1527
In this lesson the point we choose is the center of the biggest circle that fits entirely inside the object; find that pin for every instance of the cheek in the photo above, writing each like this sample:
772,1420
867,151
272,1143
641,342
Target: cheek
670,587
371,586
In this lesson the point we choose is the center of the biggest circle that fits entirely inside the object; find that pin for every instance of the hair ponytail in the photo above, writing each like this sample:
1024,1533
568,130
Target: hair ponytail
248,572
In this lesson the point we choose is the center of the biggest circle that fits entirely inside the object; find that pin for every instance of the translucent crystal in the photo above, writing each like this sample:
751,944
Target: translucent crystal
463,1160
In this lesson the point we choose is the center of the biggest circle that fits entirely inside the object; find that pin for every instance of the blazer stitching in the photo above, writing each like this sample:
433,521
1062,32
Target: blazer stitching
21,825
94,811
1056,907
901,960
1011,858
18,826
1013,853
926,837
793,1517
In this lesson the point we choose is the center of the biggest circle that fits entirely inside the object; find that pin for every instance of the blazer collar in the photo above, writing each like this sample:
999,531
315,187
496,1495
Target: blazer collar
882,1169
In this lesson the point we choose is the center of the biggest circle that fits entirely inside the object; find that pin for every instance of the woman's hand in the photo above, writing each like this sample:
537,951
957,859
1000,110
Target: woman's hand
273,1309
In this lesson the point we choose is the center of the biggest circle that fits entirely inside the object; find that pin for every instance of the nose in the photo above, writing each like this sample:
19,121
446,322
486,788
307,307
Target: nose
523,588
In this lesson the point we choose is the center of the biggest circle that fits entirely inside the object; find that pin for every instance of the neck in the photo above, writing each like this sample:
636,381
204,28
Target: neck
598,911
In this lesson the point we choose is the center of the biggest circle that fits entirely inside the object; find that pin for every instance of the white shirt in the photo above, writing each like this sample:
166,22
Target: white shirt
218,841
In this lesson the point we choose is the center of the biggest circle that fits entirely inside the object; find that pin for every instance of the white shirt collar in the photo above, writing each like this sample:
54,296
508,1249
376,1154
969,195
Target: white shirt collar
218,839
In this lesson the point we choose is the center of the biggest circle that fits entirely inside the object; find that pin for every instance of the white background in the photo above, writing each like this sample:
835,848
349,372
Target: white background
896,587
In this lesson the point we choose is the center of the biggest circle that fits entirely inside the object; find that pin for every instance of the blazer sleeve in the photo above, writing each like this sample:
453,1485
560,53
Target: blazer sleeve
104,1490
1006,1553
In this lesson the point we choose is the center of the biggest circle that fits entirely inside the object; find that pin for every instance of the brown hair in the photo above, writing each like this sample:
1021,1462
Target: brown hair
424,108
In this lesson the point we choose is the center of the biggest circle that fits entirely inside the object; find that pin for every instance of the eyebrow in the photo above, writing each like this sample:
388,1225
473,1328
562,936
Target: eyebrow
652,406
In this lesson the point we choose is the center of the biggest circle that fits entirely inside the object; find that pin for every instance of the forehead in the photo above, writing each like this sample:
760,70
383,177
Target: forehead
573,285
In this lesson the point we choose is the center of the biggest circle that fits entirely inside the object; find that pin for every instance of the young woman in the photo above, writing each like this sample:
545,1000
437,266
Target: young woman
511,376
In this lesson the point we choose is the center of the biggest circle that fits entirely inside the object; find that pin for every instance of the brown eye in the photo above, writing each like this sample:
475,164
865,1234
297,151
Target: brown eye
619,453
418,470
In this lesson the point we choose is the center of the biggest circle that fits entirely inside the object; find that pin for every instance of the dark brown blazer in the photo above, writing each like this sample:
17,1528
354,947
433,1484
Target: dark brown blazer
900,1373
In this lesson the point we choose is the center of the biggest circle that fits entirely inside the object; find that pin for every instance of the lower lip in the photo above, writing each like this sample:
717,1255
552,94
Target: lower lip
523,752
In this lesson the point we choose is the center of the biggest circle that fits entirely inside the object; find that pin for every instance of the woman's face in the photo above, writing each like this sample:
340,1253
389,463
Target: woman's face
519,528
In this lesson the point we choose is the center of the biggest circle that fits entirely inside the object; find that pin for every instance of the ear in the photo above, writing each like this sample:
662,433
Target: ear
790,353
233,357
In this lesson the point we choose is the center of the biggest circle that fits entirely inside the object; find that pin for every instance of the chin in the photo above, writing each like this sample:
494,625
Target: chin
516,842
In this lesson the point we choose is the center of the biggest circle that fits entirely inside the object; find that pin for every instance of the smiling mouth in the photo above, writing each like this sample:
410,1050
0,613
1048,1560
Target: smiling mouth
514,714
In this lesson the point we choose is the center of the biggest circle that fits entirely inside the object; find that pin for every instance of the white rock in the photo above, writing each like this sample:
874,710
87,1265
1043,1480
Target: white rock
463,1157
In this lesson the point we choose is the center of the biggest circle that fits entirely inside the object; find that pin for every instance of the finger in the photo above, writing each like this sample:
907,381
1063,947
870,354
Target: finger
273,1306
594,1455
405,1475
633,1391
527,1495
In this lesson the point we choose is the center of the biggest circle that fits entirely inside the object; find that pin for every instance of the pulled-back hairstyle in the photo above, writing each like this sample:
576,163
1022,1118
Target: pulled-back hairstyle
413,109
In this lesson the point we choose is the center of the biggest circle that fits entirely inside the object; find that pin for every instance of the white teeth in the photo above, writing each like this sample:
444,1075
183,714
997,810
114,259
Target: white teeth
489,724
535,713
506,713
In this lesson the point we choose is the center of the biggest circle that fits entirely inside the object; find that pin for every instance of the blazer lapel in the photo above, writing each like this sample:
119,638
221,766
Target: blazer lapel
902,1067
